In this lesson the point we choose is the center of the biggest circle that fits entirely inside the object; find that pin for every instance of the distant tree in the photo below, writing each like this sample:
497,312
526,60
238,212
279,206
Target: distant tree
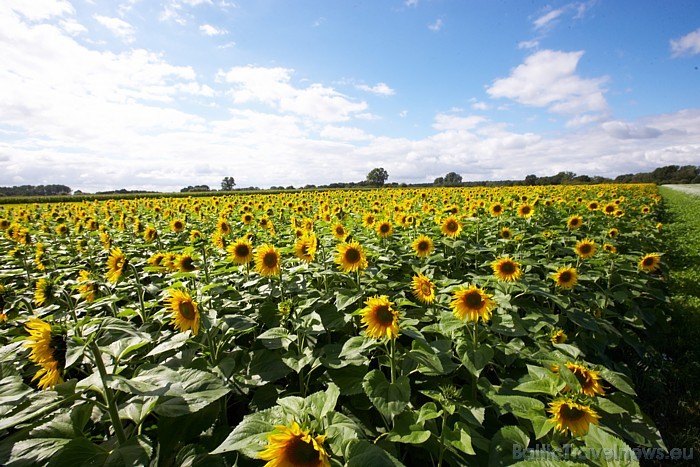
439,181
227,184
377,176
453,179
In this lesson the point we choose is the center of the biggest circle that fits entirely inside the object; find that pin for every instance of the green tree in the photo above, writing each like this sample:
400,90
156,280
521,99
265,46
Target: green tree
227,184
377,176
453,179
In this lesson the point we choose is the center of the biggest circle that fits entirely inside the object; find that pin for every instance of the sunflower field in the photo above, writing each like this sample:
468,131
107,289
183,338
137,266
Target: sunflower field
438,326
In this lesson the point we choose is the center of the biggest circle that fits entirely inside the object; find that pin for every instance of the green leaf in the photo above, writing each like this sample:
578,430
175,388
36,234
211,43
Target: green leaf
474,360
250,435
431,361
408,430
389,398
364,454
505,443
341,431
342,301
35,451
428,411
79,451
322,403
349,379
520,406
460,438
136,451
172,343
508,325
607,450
541,425
618,380
276,338
569,349
138,408
539,386
266,367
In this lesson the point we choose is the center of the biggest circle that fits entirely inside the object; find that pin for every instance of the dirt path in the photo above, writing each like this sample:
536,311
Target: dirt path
690,189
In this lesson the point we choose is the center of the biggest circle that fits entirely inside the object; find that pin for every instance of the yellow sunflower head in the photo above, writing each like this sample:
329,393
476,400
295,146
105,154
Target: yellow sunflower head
559,336
423,289
574,222
351,257
422,246
305,247
48,350
44,291
610,209
526,210
570,416
451,227
150,234
291,446
593,206
566,277
589,379
496,209
86,286
650,262
185,263
609,248
586,248
384,229
339,232
506,233
368,220
223,227
183,309
240,251
613,233
472,303
116,265
267,260
380,318
506,269
178,225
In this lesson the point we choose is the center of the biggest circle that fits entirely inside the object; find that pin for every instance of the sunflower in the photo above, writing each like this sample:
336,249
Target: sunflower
650,262
423,289
62,229
384,229
586,248
290,446
380,318
150,234
566,277
267,260
526,210
368,220
178,225
305,247
184,311
568,415
156,260
574,222
86,287
496,209
241,251
593,206
589,379
351,257
223,227
558,337
609,248
451,227
195,236
116,265
247,218
44,291
185,263
48,350
613,233
423,246
506,269
472,303
339,231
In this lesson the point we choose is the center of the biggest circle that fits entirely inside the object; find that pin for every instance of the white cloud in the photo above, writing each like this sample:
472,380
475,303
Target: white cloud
118,27
272,86
436,26
479,105
546,19
209,30
623,130
411,3
686,45
37,10
548,79
445,122
528,44
381,89
227,45
72,27
344,133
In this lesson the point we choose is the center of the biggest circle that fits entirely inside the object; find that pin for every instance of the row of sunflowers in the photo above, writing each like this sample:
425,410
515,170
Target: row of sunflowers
450,326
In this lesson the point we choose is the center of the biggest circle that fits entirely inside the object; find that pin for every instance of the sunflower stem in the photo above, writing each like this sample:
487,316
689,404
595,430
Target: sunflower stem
442,438
108,395
475,342
205,263
392,354
139,293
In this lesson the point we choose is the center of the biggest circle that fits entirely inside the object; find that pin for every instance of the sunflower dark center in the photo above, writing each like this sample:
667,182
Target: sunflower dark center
525,210
451,226
585,248
505,234
507,267
352,255
384,228
648,261
565,277
571,414
300,452
187,310
423,246
425,288
242,251
473,300
270,259
383,315
58,349
497,208
187,264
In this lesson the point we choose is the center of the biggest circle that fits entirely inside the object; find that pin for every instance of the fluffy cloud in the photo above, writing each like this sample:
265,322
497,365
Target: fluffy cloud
686,45
546,19
118,27
209,30
381,89
548,79
436,26
272,86
622,130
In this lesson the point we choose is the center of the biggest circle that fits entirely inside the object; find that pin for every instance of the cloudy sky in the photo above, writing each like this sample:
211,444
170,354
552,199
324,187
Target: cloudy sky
159,95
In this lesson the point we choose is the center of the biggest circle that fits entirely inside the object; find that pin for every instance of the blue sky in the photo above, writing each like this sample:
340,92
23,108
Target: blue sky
159,95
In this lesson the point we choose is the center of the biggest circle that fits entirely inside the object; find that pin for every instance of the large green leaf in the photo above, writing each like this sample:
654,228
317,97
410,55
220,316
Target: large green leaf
250,435
364,454
607,450
506,443
407,429
389,398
